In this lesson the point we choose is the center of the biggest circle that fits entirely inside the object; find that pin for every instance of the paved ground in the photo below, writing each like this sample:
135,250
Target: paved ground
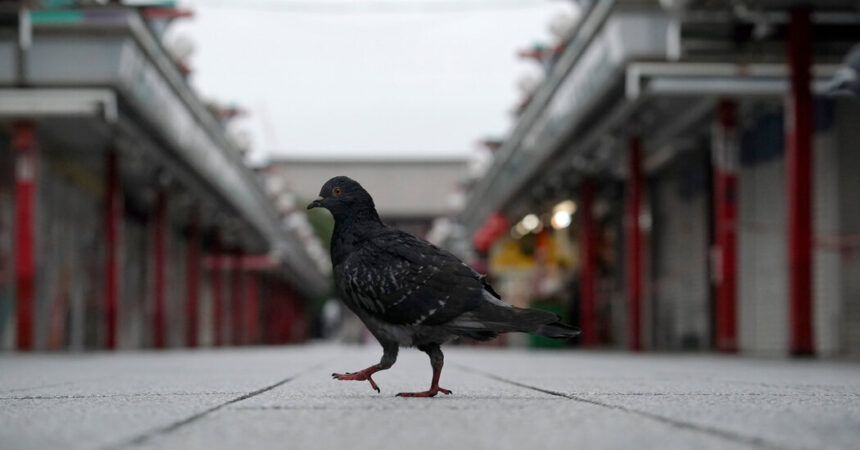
285,398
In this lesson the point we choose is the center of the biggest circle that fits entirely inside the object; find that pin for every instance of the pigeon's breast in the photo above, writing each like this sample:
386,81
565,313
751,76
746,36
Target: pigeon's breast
360,287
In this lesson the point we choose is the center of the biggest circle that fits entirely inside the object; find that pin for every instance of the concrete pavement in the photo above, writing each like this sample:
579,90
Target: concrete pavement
503,399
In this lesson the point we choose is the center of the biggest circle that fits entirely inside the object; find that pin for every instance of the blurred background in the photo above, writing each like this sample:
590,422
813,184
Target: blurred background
671,175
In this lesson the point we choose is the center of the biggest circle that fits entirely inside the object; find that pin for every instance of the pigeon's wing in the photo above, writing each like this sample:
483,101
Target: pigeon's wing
401,279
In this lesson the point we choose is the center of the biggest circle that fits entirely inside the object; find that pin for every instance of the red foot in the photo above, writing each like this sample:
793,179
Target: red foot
431,393
357,376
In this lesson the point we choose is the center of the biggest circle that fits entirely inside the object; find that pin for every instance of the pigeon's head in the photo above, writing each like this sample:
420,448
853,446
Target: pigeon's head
344,197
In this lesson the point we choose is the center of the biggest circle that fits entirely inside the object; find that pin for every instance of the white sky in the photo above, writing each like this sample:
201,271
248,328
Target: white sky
322,82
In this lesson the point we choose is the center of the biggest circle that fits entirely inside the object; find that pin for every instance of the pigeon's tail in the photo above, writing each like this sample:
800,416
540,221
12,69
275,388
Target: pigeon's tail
491,319
543,323
558,330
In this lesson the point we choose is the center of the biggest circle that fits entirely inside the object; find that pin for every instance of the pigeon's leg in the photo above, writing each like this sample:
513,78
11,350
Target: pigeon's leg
389,356
436,361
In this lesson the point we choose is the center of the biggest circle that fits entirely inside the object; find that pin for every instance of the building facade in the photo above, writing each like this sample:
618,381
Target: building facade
409,193
127,216
713,165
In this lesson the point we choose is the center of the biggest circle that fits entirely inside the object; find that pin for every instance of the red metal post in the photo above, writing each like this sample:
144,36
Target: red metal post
279,324
217,293
799,178
282,313
725,156
273,302
634,243
290,330
589,269
113,220
160,267
192,277
24,146
236,322
252,313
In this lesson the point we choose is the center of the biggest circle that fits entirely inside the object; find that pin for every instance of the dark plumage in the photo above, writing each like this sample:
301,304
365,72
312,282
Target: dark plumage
409,292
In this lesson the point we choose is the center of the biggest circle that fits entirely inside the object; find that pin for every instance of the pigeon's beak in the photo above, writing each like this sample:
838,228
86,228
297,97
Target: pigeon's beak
316,203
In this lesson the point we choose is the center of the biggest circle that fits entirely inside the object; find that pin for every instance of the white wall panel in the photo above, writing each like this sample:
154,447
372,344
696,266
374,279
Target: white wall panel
827,286
848,118
763,296
681,287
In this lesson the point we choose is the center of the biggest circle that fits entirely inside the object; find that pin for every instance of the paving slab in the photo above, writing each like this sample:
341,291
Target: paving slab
104,399
772,403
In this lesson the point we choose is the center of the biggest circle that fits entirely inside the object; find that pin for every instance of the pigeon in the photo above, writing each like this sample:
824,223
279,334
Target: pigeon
410,293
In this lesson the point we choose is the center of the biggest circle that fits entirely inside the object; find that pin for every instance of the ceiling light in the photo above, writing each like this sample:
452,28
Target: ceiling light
568,206
530,222
560,220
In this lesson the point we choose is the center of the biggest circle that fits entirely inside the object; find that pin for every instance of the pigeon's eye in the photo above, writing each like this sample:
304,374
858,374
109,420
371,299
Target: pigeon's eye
337,191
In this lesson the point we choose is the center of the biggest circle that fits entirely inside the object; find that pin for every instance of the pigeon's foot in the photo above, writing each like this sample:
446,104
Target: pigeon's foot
431,393
436,359
361,375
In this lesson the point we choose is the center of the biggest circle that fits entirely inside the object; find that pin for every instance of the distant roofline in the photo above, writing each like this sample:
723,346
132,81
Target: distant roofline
366,159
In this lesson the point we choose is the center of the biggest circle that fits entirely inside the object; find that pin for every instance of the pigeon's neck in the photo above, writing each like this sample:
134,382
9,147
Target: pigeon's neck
361,218
350,230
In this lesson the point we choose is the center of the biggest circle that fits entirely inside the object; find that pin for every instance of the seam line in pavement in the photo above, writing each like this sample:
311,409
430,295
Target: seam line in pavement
717,432
33,388
197,416
134,394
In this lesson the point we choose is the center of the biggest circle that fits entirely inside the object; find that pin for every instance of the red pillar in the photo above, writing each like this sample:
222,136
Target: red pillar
725,156
24,146
589,269
236,321
799,178
634,243
274,312
217,292
283,313
251,309
291,314
160,267
192,277
113,220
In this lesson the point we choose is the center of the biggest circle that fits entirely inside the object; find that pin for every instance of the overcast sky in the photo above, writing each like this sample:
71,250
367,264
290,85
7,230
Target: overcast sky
358,78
